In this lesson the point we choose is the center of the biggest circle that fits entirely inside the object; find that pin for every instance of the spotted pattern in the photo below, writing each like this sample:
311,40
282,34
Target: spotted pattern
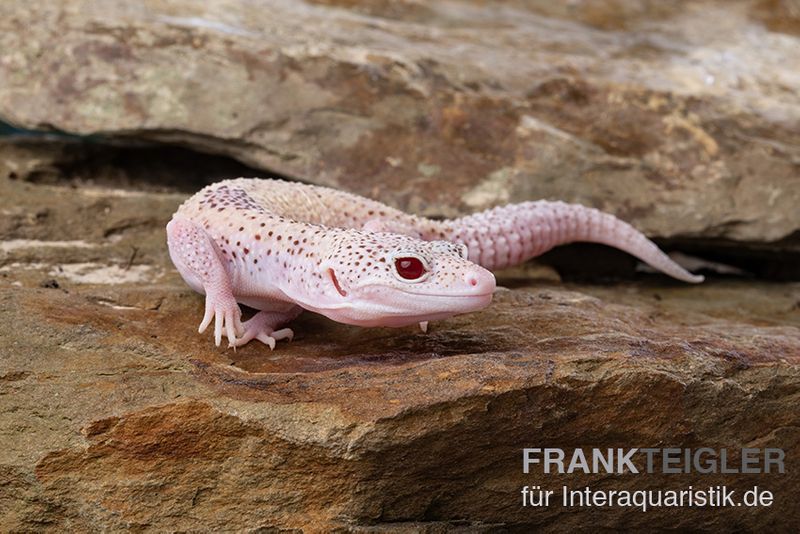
312,245
308,241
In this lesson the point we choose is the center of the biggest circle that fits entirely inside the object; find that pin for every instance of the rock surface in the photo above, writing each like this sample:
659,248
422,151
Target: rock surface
115,413
681,117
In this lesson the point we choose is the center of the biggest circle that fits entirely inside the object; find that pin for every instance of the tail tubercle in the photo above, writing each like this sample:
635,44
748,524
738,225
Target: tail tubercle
509,235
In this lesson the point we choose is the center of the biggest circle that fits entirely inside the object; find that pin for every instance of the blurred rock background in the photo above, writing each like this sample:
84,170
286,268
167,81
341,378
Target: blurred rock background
682,118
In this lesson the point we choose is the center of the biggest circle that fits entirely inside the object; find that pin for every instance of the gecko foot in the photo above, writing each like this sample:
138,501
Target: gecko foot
262,327
226,314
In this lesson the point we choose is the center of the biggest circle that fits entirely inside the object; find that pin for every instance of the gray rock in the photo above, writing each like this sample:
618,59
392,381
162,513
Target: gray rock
682,118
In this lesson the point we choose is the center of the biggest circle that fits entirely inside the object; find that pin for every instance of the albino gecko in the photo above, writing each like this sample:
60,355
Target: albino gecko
283,247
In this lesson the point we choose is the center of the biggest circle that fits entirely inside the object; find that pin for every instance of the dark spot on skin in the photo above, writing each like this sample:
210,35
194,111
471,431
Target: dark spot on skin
258,237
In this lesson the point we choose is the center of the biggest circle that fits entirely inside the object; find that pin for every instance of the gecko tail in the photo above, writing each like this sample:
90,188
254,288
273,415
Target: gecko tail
509,235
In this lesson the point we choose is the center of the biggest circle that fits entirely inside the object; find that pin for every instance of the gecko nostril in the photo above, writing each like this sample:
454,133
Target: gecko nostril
479,280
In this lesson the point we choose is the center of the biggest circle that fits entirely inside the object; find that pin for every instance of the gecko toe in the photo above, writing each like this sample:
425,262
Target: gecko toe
207,317
218,322
283,333
267,340
230,330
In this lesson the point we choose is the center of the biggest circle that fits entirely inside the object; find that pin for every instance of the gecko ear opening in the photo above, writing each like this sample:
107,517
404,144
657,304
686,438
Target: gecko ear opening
335,281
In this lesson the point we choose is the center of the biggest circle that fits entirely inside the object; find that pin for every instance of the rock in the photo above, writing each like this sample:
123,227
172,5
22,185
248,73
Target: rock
59,160
644,109
116,414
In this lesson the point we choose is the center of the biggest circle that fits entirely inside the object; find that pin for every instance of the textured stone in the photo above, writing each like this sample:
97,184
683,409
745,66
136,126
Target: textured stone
115,413
680,117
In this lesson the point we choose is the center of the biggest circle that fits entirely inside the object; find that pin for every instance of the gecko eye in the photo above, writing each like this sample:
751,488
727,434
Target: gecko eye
409,267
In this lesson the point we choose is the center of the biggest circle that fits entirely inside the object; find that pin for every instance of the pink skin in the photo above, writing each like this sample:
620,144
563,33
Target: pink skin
283,247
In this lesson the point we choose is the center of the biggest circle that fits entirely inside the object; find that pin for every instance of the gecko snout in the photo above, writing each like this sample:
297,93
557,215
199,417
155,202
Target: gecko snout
480,280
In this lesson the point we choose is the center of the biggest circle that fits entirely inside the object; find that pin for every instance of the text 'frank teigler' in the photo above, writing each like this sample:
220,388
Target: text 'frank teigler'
702,460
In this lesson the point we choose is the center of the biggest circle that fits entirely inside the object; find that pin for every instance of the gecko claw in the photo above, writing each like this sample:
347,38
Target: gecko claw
260,327
283,333
267,340
227,318
267,337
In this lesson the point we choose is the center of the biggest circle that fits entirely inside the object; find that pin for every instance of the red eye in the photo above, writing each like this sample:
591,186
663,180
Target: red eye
409,268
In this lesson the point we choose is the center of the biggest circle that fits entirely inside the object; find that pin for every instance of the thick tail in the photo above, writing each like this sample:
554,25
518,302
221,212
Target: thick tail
509,235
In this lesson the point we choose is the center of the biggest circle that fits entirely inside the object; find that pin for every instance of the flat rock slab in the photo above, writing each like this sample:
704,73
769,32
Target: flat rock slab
682,119
115,413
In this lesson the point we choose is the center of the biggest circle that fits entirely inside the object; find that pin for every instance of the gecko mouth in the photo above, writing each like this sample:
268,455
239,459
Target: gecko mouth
445,295
432,295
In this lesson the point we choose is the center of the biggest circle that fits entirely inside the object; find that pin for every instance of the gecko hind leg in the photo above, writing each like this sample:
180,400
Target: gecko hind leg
199,262
262,326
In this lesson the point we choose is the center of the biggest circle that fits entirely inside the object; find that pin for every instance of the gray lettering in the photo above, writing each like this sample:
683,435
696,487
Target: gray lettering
606,461
625,460
723,459
777,459
670,457
650,453
527,460
554,457
750,461
578,462
710,464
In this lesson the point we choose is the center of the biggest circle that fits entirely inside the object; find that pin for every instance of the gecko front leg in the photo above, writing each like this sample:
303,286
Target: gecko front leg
198,260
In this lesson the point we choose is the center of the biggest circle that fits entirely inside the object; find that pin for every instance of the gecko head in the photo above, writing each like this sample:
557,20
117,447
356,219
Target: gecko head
381,279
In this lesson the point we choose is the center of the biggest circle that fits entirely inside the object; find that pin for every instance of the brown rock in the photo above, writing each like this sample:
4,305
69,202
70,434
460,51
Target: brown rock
642,108
116,414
